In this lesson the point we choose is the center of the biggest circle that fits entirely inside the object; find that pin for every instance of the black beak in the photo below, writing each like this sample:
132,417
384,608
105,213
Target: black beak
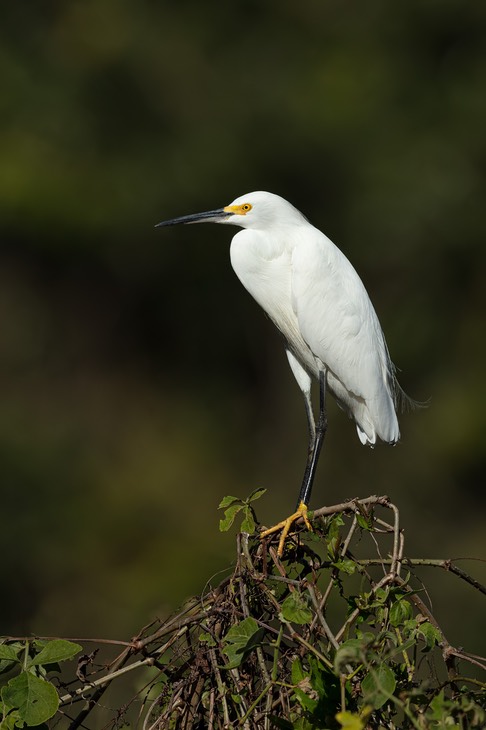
210,216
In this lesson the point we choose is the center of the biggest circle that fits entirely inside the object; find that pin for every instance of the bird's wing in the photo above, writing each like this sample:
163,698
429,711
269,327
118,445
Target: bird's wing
336,317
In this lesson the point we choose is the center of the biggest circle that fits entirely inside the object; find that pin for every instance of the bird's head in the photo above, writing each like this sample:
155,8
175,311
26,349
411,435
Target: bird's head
257,210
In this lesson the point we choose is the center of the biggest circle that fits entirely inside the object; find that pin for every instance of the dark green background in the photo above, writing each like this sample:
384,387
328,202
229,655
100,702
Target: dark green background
139,383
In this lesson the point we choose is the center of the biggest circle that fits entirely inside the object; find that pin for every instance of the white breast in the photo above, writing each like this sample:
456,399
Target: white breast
263,265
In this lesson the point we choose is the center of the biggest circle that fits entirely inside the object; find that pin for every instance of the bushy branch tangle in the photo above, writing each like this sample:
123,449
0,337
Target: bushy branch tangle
338,633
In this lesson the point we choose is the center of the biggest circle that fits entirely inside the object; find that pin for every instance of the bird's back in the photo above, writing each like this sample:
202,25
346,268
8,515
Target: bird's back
338,322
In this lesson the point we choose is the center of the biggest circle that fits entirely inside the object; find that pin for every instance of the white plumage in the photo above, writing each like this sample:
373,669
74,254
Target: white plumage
314,296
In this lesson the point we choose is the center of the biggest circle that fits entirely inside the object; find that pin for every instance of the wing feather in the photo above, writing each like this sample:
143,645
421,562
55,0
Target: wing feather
339,324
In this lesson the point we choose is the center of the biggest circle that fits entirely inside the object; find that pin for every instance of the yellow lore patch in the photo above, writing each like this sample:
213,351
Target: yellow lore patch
242,209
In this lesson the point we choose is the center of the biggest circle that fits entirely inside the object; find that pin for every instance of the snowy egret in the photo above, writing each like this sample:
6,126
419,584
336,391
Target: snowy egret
316,299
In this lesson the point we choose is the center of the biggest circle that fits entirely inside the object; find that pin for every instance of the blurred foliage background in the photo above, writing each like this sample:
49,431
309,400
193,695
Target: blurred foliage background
139,382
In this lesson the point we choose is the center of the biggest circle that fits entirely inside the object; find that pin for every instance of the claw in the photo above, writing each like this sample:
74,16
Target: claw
285,526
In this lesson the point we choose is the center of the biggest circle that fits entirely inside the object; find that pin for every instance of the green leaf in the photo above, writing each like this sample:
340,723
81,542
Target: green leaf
242,632
302,723
11,719
335,522
410,627
229,517
350,721
430,633
256,494
438,706
378,685
333,545
303,686
365,523
8,653
55,651
226,501
380,596
206,638
235,656
307,702
400,612
35,699
297,672
248,523
350,651
296,610
346,566
241,639
319,680
281,723
402,648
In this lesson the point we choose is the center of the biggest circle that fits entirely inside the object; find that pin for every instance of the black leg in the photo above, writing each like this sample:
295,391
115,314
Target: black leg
315,444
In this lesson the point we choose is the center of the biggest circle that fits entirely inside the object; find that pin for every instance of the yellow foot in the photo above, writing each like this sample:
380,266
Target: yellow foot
285,526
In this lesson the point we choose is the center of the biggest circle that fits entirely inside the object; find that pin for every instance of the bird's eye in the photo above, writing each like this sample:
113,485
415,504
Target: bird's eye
246,207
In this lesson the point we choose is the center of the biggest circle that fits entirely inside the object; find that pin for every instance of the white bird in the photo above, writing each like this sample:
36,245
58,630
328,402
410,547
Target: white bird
314,296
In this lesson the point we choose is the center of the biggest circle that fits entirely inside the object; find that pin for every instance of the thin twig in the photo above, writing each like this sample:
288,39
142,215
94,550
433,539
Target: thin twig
321,618
445,564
